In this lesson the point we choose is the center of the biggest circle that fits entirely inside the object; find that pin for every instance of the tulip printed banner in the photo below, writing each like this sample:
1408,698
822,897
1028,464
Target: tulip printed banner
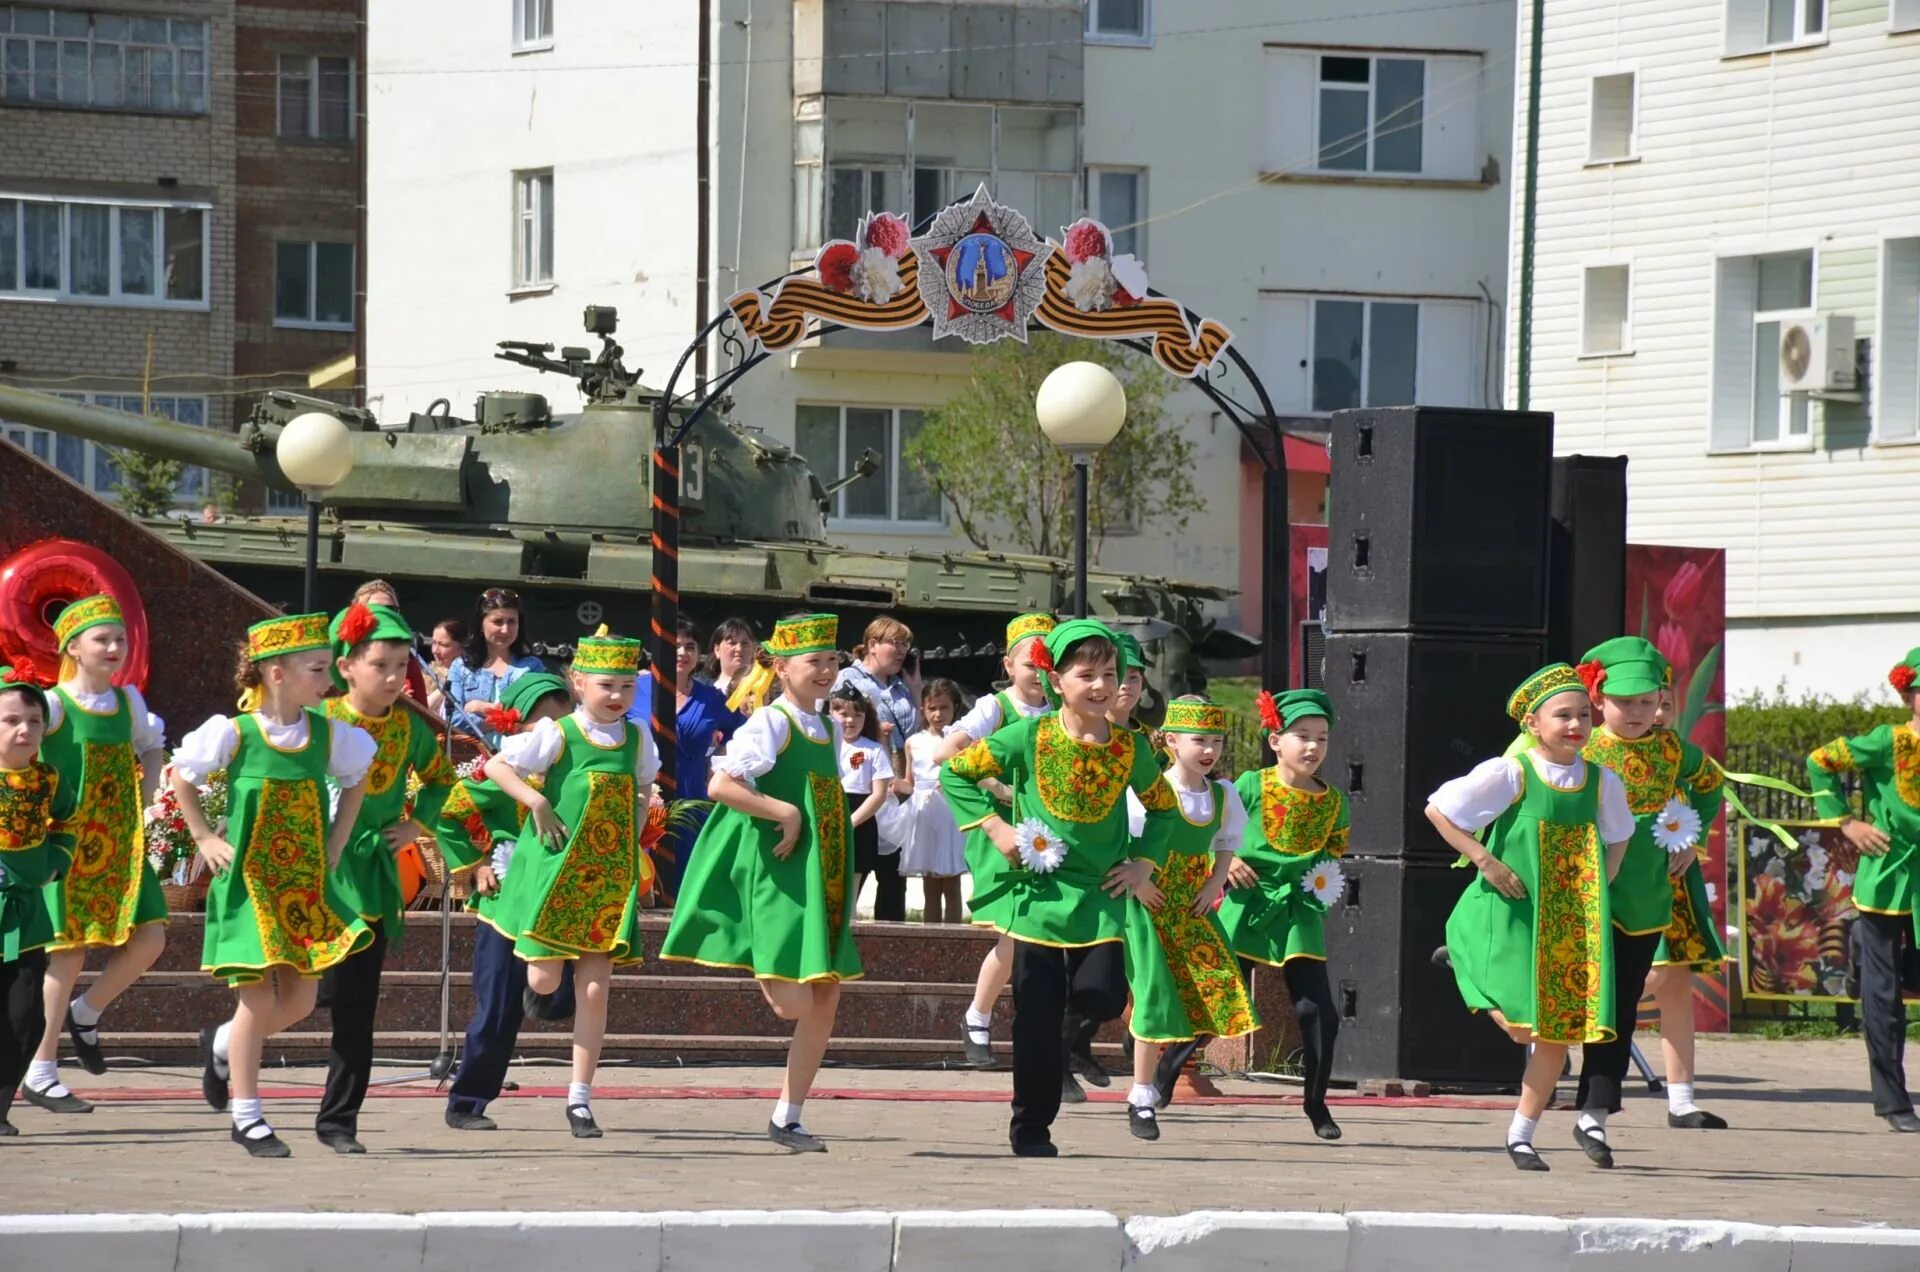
981,273
1676,598
1798,904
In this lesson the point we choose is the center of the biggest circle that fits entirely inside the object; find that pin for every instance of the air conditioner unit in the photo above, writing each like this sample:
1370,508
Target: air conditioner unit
1816,354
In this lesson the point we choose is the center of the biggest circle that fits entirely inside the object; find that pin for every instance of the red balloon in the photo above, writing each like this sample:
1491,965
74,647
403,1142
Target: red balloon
40,580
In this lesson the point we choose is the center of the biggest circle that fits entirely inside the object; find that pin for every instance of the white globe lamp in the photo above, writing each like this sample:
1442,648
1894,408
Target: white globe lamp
1081,406
315,451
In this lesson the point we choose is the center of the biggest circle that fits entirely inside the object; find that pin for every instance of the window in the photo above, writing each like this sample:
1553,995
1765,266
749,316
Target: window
1752,296
1754,26
91,464
313,285
104,61
125,254
316,98
533,229
1905,15
1896,371
832,439
1364,353
1371,113
532,25
857,155
1605,313
1116,198
1612,118
1119,21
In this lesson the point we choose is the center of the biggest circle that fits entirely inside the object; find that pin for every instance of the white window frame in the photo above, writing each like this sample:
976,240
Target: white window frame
874,525
1802,37
1314,301
313,283
114,297
1126,39
191,489
1787,442
310,127
51,45
1099,172
1885,357
1632,154
1371,89
532,14
1626,323
531,231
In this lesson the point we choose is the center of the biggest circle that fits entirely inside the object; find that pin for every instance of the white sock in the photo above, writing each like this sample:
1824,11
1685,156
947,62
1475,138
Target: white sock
1680,1098
220,1036
44,1077
979,1025
1520,1130
1143,1094
85,1014
579,1095
1593,1121
785,1115
248,1113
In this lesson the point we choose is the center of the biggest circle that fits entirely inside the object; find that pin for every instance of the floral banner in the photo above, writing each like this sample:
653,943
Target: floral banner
982,274
1797,904
1676,598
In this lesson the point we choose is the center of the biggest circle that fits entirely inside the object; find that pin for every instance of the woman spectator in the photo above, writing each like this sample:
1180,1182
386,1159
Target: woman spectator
449,638
494,658
381,592
703,725
741,672
878,672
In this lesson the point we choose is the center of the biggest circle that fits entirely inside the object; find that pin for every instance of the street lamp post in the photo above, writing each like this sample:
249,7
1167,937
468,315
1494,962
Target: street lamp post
315,452
1080,406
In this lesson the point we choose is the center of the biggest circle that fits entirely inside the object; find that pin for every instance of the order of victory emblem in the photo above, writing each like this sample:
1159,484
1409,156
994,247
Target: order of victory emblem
981,271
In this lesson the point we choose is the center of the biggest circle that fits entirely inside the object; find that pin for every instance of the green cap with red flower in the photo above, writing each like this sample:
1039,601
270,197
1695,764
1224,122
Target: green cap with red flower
1625,666
1903,677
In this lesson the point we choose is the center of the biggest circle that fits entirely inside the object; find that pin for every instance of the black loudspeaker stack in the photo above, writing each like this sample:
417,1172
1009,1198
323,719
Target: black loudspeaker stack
1440,599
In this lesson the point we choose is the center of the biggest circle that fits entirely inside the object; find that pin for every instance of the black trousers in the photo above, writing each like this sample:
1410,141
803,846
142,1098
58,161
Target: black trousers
1047,980
351,992
499,980
1603,1065
1876,943
25,1016
1312,995
890,896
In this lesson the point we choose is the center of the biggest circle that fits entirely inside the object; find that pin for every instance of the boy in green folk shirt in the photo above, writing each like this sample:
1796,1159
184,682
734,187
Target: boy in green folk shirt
1073,861
1888,880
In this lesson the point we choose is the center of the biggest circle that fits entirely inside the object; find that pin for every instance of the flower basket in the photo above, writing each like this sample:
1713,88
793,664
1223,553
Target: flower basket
169,843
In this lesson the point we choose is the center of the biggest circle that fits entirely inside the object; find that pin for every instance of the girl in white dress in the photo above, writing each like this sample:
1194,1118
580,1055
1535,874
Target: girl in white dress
935,850
866,775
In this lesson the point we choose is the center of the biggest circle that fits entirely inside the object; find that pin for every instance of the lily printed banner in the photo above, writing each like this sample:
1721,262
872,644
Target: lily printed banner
1676,598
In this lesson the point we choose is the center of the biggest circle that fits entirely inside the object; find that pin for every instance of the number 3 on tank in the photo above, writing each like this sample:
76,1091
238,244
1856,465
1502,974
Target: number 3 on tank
693,473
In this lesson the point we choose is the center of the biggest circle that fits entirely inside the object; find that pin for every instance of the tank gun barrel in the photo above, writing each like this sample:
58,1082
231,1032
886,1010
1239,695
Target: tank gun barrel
246,454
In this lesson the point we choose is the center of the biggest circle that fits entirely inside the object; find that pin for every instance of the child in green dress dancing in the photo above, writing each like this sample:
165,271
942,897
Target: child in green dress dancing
1531,938
770,888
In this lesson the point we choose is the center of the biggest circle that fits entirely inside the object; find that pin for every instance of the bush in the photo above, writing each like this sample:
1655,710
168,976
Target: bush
1791,727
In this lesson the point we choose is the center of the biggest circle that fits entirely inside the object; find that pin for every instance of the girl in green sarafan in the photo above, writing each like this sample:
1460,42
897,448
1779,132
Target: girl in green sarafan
770,886
1530,940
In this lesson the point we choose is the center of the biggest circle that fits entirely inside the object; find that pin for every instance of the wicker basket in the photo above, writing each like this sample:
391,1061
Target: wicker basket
184,898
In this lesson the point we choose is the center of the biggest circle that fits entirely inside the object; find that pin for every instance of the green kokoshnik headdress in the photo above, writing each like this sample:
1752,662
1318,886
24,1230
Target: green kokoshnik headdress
1555,678
1195,717
602,655
88,611
804,634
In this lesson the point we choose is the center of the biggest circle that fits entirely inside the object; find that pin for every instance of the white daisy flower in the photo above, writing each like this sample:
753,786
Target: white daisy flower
1041,851
1324,881
1677,827
876,276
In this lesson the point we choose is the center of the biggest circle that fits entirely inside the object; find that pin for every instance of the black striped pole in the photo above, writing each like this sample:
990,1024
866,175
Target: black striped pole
666,596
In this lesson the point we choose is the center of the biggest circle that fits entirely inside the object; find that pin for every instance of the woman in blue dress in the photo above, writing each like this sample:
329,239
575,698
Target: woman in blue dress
495,657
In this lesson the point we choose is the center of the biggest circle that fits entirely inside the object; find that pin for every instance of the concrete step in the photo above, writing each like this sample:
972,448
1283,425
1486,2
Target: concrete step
890,951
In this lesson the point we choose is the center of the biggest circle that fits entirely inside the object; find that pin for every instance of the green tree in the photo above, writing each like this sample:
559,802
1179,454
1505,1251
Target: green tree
1007,484
146,483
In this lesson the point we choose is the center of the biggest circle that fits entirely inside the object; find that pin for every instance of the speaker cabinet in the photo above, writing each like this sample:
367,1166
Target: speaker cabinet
1401,1015
1413,711
1587,551
1438,520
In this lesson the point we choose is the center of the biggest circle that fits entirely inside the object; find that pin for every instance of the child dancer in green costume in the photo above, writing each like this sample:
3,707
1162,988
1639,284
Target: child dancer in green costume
109,749
1180,968
1886,888
373,651
1071,861
1531,940
1024,698
1294,825
276,915
770,888
36,844
578,901
1674,793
